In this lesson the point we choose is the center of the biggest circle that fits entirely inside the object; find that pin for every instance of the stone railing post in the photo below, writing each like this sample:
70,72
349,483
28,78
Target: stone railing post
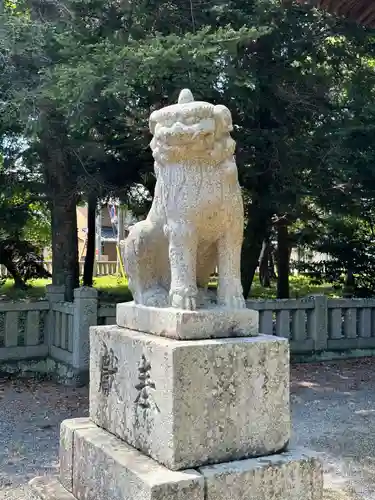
319,323
54,293
85,315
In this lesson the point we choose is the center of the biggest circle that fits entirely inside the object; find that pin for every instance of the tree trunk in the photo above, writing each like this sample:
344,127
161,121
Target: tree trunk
264,267
55,154
282,261
271,264
349,285
88,270
12,270
65,244
259,186
256,231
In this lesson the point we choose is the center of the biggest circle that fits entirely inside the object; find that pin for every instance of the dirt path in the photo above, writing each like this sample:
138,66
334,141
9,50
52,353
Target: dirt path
30,416
333,413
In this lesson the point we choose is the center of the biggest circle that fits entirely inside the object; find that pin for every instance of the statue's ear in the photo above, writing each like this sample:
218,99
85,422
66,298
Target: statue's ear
223,119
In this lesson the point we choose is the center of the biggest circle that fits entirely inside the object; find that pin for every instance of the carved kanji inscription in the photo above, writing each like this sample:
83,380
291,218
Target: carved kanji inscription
145,386
108,370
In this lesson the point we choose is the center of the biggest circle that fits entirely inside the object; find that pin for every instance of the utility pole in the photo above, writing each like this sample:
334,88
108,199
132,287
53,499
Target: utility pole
98,238
120,234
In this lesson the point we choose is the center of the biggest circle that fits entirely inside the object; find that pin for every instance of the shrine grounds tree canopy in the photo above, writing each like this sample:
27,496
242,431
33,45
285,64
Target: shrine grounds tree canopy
361,11
80,78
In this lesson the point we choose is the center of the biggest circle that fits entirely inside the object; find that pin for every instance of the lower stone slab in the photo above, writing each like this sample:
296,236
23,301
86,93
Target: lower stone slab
67,431
188,325
48,488
292,475
191,403
108,469
104,467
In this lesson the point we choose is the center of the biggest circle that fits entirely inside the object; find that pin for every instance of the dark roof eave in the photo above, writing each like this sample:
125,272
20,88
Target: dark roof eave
361,11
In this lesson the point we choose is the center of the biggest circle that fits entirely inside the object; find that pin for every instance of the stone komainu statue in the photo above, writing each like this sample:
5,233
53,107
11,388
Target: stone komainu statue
196,220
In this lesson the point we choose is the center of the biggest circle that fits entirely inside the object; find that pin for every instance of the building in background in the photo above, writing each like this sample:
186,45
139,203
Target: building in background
109,218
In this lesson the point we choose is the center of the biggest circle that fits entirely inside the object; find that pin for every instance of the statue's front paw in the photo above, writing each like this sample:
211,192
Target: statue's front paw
234,302
231,298
186,300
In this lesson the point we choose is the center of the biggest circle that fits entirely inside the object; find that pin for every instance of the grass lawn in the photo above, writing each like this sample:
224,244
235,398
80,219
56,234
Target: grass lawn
114,289
109,287
300,286
36,290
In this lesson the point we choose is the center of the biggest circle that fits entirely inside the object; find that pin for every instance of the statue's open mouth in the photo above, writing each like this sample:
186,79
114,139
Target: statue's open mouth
179,133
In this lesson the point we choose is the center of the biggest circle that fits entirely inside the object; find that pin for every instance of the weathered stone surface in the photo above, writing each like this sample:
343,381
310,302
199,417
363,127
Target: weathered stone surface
47,488
107,468
67,429
294,475
196,220
190,403
184,325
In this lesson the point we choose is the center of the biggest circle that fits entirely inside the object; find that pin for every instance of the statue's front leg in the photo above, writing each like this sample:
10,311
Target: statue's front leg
183,261
230,293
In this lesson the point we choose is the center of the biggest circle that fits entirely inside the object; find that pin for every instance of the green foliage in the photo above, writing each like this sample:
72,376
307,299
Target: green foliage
38,226
80,78
346,245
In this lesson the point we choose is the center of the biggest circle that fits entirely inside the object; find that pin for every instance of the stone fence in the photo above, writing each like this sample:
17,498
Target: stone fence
102,268
51,336
318,327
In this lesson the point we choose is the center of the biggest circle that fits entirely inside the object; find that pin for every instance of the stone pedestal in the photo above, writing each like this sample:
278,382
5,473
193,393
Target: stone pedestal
189,403
171,419
188,325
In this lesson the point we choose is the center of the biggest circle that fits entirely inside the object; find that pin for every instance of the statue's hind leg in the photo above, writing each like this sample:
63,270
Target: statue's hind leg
145,253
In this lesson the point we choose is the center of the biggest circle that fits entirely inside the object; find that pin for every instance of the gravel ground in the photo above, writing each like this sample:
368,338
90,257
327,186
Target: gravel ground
333,407
333,413
30,416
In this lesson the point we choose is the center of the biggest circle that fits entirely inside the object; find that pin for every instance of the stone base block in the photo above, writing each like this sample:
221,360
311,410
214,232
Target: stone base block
67,431
102,466
191,403
48,488
194,325
293,475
